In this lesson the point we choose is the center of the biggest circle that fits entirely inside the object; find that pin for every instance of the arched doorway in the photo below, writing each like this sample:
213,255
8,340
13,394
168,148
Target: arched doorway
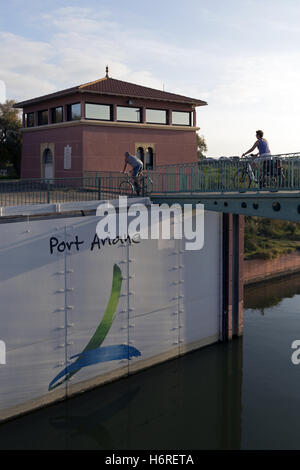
48,164
149,159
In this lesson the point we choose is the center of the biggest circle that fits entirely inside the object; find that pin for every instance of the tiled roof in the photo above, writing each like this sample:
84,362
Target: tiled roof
117,87
110,86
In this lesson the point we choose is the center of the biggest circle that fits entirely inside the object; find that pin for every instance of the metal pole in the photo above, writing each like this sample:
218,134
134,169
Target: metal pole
99,188
48,191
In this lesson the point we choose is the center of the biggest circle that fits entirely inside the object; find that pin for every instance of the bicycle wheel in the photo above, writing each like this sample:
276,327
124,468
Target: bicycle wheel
126,188
241,181
148,186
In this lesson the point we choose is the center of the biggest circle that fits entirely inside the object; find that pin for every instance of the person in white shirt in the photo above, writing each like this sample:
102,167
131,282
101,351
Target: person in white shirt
137,167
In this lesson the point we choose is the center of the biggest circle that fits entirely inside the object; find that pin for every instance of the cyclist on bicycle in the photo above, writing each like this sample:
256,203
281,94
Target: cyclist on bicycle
137,167
264,153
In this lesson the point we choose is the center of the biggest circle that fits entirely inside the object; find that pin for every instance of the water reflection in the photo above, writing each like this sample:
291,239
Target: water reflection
193,402
271,293
92,425
270,396
243,394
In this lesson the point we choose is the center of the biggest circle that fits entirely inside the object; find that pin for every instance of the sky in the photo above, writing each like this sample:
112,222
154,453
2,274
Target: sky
241,56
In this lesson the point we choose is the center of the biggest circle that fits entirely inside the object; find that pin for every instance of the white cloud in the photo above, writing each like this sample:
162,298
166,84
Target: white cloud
81,45
256,92
243,93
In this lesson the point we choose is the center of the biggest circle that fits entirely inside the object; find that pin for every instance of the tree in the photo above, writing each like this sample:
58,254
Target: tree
10,136
201,146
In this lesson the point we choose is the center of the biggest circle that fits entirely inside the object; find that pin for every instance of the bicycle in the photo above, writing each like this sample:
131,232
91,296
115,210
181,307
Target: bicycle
270,175
141,185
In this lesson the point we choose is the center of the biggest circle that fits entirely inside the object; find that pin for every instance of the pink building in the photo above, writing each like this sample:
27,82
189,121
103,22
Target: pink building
89,128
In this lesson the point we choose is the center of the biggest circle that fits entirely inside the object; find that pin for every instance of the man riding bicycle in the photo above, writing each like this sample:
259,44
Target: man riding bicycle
137,167
270,168
264,155
261,144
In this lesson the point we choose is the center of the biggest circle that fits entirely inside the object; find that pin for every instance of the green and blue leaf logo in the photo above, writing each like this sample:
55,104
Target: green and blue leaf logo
93,353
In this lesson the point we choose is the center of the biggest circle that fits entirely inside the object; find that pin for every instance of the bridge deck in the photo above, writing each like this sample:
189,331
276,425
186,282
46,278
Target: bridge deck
269,189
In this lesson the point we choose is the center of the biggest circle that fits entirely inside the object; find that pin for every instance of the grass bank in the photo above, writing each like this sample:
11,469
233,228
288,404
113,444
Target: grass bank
269,239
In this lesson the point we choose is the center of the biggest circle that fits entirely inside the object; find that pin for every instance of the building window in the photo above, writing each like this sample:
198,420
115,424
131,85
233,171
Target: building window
140,153
181,118
47,157
145,152
47,161
98,111
74,112
29,120
43,117
149,159
156,116
126,114
57,114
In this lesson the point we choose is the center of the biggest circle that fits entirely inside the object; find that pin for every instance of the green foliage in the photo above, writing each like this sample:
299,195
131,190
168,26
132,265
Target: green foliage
269,239
10,137
201,146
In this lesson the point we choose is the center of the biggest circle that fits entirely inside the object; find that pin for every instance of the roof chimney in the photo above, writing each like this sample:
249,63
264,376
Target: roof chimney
106,76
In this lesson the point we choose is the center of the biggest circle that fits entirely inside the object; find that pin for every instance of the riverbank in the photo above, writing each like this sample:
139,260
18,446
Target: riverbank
268,239
256,270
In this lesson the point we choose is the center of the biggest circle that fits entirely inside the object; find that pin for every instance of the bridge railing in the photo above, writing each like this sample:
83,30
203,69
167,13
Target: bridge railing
280,172
58,190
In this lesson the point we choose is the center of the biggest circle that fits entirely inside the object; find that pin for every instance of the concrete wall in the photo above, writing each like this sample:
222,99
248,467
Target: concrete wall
256,270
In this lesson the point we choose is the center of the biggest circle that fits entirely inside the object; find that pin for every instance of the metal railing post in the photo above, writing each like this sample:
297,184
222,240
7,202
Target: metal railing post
48,191
180,180
99,187
147,186
143,186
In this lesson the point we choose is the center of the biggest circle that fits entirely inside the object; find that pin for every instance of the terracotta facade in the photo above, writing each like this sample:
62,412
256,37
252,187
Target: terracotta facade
98,145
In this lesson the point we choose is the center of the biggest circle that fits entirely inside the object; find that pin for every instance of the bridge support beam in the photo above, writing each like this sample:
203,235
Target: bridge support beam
233,285
275,205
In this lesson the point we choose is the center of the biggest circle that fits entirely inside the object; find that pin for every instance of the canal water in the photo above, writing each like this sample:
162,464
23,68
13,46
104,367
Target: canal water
241,395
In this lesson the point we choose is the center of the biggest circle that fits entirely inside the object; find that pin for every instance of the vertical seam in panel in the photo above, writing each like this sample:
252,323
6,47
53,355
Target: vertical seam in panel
225,256
178,295
66,311
220,227
128,301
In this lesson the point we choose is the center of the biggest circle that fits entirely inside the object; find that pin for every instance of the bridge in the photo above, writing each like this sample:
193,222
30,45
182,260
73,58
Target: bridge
237,186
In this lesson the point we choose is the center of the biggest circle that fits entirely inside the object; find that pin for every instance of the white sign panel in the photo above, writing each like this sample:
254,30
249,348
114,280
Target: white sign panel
76,308
67,157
